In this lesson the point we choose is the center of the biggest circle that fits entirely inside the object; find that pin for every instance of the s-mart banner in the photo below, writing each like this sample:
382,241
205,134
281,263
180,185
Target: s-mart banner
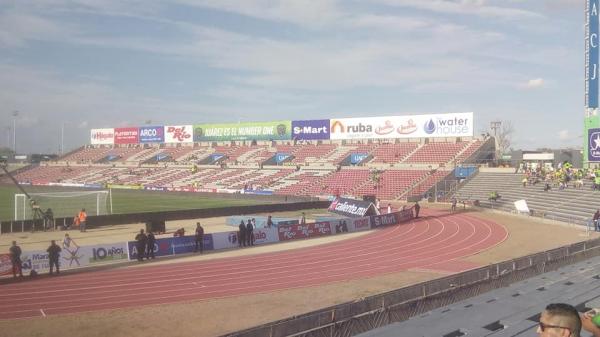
411,126
102,136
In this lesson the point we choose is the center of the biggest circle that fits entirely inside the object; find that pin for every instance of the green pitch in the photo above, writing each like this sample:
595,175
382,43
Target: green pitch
129,201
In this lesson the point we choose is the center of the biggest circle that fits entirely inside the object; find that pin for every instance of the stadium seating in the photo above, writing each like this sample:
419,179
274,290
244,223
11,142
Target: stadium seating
316,169
436,153
569,205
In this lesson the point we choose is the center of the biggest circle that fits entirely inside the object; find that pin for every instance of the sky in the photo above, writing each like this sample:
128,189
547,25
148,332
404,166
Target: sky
74,65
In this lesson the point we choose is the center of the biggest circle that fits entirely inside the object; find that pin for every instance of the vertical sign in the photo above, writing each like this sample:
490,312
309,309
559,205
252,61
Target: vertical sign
591,60
593,145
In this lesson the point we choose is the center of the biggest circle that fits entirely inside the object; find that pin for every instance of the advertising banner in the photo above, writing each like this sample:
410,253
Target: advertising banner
591,49
358,224
172,246
69,258
178,134
384,220
102,136
352,208
356,158
127,135
415,126
278,130
310,129
5,264
225,240
265,235
294,232
152,134
594,145
104,253
280,156
162,247
391,218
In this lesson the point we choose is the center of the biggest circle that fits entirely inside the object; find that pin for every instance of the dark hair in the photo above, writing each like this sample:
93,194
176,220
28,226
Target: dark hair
569,313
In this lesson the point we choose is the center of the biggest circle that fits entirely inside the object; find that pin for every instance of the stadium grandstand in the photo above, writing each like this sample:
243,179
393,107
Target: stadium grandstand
305,163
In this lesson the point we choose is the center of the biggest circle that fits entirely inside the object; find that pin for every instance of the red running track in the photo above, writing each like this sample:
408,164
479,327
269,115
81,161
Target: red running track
433,242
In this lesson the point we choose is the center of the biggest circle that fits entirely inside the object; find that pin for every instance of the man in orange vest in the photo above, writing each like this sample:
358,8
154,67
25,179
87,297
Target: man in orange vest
82,219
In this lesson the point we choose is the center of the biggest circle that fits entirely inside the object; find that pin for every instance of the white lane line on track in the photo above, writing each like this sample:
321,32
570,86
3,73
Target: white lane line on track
43,313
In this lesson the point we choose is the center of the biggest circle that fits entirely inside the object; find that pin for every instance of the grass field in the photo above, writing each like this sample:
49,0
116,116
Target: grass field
130,201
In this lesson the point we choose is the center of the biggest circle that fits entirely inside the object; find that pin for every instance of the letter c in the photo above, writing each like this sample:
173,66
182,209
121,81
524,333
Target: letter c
594,40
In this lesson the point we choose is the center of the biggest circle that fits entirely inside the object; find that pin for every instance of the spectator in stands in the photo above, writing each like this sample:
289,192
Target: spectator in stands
559,319
15,259
249,233
595,220
494,196
199,238
417,209
82,219
150,240
302,219
269,222
140,244
53,256
242,234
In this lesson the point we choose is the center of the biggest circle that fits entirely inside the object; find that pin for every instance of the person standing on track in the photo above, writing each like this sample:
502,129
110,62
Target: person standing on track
53,256
150,240
417,209
140,244
15,259
242,234
249,233
82,219
199,238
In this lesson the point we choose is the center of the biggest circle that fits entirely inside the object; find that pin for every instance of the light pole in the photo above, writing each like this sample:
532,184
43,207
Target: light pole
15,115
8,137
62,138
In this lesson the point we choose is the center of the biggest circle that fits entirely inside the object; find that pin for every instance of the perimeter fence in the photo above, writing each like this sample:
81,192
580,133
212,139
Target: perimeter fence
353,318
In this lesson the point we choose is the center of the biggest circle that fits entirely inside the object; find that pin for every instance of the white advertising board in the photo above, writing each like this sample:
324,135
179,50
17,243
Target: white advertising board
179,134
410,126
102,136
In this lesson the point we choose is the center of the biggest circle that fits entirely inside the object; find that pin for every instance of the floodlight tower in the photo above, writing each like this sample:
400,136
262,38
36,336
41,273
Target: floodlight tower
15,115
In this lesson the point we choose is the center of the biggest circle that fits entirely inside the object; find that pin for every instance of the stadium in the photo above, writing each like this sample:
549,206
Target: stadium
388,225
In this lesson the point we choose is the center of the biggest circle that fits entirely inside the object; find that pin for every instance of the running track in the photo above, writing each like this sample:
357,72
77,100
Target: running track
433,242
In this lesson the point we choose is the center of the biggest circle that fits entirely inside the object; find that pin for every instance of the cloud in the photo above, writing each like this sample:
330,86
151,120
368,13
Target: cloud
16,28
533,84
307,13
564,135
465,7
